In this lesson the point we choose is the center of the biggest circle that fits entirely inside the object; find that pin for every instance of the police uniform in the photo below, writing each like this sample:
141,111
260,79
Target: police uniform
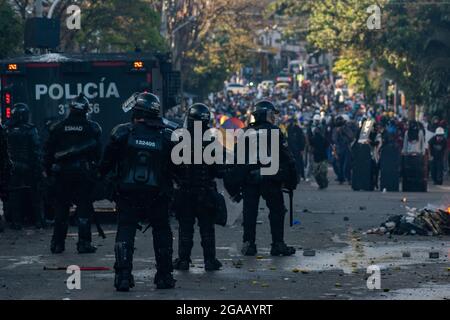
138,153
5,167
196,199
269,188
25,151
72,153
5,162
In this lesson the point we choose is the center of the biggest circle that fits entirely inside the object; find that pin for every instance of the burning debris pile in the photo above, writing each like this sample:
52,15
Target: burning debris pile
429,221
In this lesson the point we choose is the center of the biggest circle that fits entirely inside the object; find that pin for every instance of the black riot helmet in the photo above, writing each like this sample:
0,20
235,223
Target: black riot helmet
20,113
147,106
80,104
198,112
263,109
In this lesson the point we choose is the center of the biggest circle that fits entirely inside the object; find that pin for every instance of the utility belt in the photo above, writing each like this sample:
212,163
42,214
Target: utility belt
208,200
82,166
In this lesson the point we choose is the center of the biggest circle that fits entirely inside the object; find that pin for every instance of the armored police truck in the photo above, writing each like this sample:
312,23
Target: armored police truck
48,82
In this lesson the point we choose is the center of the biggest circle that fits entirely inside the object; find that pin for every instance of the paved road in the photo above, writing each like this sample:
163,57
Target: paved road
333,225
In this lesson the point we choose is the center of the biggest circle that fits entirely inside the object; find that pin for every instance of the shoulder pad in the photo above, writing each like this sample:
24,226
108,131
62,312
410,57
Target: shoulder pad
30,126
55,125
97,128
167,133
121,131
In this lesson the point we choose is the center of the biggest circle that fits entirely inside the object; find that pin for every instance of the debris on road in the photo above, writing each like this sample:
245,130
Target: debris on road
406,254
237,263
434,255
427,221
309,253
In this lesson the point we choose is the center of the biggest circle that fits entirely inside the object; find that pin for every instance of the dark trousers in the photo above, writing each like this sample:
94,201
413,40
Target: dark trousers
273,195
131,211
72,189
437,170
344,165
299,163
24,199
192,208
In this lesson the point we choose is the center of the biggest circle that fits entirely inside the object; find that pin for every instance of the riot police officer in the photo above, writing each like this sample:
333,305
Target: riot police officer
25,151
268,187
72,153
139,153
5,167
197,199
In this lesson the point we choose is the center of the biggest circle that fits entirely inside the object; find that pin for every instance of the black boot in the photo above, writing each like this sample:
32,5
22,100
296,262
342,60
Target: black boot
85,236
164,281
163,278
57,244
212,265
281,249
162,244
209,249
249,249
185,244
39,218
181,264
123,280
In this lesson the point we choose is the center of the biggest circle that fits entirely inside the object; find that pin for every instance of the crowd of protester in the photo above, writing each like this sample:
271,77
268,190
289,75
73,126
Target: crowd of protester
322,124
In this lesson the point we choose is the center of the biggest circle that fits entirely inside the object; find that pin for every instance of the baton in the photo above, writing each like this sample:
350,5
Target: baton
291,206
81,268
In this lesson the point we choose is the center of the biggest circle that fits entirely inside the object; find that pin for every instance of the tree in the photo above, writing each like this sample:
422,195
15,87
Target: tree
106,25
11,30
211,39
399,47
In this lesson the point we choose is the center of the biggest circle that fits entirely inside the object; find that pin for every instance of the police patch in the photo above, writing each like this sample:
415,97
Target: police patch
73,128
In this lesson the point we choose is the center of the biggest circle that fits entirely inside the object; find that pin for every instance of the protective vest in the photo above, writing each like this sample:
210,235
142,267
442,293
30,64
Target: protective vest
144,161
20,147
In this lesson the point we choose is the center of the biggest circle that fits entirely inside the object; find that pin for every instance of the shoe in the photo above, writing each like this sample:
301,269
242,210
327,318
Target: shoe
40,225
16,226
124,281
57,248
181,264
281,249
249,249
85,247
212,265
165,281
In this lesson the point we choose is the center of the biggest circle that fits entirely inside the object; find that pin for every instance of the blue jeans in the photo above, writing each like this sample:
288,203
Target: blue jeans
344,165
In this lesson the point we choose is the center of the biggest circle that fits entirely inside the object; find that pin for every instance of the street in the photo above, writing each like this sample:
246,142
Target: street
331,222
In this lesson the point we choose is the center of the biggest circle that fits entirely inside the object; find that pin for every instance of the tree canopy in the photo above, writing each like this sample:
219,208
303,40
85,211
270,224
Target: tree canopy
412,46
11,28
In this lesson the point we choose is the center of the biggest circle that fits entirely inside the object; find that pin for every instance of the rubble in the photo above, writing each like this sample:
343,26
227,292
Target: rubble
434,255
309,253
429,221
